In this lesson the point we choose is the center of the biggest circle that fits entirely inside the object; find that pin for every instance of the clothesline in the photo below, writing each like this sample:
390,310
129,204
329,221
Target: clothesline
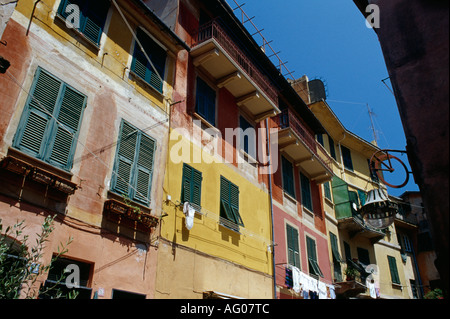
319,278
307,286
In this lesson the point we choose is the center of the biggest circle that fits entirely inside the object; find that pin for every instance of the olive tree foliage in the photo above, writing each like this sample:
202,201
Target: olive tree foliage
20,262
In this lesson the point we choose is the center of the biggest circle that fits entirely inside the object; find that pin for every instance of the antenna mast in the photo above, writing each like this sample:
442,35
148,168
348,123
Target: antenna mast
371,114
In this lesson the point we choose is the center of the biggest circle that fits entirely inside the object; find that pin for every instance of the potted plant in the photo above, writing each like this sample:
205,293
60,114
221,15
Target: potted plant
351,273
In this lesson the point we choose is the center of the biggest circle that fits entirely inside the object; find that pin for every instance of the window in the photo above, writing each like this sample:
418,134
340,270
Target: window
373,173
248,138
191,189
336,257
314,268
319,138
292,246
288,176
48,129
347,157
133,168
363,256
347,250
205,104
306,192
142,67
57,277
229,205
327,190
332,149
92,16
393,268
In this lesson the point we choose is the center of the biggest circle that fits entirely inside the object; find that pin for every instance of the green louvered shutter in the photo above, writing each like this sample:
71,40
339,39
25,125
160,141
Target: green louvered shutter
288,177
125,158
186,184
144,169
134,164
393,269
229,198
51,120
196,188
92,16
306,192
66,130
293,247
312,257
234,204
225,199
36,120
191,186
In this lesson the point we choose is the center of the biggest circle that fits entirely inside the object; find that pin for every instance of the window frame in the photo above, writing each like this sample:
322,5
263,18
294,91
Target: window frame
311,250
347,158
52,127
292,236
193,182
135,166
251,147
210,110
395,278
229,205
149,77
284,174
305,187
85,18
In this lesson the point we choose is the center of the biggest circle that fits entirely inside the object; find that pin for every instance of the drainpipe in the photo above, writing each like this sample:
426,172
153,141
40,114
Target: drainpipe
32,15
271,211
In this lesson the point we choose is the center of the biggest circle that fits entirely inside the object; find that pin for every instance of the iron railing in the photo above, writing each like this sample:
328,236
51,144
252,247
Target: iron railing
213,30
287,119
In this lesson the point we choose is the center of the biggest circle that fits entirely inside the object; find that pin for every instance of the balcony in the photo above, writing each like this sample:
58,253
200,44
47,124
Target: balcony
219,56
296,141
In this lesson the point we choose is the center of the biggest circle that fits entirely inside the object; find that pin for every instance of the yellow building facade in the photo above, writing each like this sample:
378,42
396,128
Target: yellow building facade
376,254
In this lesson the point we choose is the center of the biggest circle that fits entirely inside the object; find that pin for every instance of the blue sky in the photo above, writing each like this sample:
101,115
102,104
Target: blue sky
328,39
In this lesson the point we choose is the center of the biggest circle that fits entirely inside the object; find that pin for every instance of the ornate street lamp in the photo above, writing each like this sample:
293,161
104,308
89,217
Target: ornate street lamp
379,211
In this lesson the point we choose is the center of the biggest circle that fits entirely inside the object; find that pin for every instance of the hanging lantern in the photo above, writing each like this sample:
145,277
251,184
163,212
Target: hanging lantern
378,211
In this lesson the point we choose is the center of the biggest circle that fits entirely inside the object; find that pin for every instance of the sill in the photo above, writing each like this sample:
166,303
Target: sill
234,230
39,171
144,83
329,201
248,158
205,122
78,35
397,286
117,211
290,197
308,211
120,198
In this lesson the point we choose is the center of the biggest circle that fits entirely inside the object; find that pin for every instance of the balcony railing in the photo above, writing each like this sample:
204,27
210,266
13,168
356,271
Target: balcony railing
213,30
287,119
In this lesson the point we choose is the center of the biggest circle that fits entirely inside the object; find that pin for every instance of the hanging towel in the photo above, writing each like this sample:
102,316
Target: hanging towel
322,290
332,293
313,284
372,290
189,211
304,281
296,273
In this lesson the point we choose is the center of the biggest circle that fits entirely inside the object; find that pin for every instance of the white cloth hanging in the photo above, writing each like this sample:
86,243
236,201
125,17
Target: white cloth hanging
296,273
189,212
322,290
